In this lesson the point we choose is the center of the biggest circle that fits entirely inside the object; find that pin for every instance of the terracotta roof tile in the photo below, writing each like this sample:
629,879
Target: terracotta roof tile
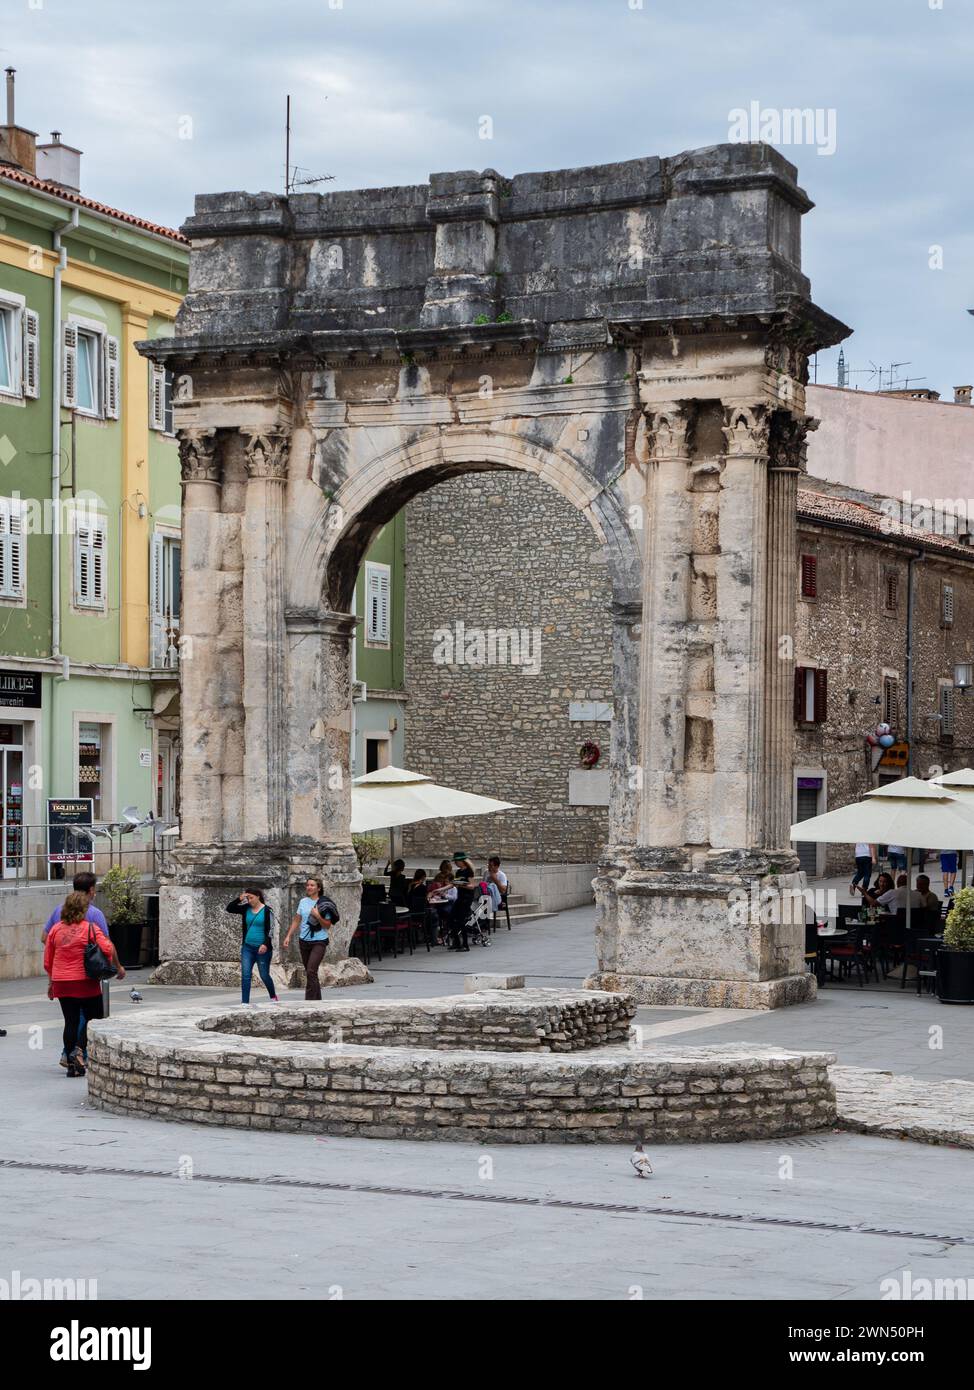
818,506
43,186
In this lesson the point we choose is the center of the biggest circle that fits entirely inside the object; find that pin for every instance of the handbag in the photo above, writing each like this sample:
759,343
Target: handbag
97,964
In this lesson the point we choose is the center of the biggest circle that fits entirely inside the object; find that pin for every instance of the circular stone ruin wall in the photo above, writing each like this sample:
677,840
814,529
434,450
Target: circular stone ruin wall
192,1067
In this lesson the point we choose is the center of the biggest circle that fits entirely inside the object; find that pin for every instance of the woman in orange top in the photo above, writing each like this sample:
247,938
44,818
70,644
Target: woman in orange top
79,995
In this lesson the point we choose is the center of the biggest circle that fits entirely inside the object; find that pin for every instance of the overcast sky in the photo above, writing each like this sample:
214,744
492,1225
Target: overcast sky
386,91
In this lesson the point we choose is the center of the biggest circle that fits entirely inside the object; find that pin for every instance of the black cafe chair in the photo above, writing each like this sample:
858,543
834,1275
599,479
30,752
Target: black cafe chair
855,953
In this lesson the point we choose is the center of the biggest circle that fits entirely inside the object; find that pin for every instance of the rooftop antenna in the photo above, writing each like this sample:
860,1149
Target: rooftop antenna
291,180
892,369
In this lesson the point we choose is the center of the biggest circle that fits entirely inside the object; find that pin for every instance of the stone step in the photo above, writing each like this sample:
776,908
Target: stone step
518,918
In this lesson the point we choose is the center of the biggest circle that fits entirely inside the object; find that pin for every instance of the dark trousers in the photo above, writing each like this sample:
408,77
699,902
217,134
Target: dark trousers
312,954
249,957
458,925
864,869
76,1013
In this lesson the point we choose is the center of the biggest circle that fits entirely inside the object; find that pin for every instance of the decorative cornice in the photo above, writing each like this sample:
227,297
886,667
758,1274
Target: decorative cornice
267,454
199,456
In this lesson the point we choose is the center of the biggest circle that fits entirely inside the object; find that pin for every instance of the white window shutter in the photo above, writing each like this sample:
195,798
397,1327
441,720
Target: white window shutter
98,563
377,603
32,354
89,564
13,555
113,364
948,613
157,397
384,588
157,616
69,366
82,563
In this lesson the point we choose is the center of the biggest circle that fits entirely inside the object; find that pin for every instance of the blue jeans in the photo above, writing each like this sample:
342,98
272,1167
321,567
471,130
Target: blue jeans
249,957
864,869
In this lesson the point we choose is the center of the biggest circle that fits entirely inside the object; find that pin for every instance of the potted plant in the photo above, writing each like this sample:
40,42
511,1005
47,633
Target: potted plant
368,850
955,960
121,889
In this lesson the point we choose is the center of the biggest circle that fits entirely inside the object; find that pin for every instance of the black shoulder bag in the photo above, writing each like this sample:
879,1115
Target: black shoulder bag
97,964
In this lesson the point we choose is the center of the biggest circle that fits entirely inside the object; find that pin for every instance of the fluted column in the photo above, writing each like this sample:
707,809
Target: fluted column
667,511
739,790
263,543
788,441
201,810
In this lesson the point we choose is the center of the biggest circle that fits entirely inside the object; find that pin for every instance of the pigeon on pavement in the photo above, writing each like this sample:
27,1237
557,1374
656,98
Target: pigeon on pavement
641,1164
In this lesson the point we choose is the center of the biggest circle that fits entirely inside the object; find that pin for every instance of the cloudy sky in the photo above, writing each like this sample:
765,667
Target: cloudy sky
170,100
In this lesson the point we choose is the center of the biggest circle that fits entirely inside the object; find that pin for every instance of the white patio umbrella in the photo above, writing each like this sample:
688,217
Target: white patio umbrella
961,783
393,796
910,812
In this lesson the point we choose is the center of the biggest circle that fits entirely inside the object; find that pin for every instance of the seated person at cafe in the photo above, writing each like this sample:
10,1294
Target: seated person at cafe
441,898
398,888
895,899
930,900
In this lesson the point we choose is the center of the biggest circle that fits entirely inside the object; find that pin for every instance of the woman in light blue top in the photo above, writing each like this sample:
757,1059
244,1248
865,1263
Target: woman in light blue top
315,914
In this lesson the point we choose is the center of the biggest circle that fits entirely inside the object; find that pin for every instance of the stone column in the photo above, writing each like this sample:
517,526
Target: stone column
264,545
665,619
319,748
738,793
786,463
201,816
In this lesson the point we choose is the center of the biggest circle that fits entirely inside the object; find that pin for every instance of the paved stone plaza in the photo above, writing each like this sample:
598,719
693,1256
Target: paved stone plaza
403,1219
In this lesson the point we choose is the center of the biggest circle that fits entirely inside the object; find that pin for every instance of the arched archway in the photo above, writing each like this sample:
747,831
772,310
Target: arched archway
661,393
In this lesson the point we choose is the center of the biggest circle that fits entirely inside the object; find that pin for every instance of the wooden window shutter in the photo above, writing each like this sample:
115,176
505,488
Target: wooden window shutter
947,609
892,585
113,366
12,553
947,711
890,701
157,397
69,366
157,623
799,694
821,696
809,576
32,354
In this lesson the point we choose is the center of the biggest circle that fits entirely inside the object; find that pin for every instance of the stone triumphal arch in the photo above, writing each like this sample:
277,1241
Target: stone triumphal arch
636,335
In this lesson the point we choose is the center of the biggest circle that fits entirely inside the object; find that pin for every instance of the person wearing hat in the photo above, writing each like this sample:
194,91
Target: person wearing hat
463,874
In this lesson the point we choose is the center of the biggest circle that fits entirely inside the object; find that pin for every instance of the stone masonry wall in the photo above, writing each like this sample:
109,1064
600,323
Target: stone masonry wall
847,630
539,1019
163,1066
503,550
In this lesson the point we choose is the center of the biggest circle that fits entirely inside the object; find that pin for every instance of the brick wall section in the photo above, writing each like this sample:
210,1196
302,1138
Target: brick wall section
162,1066
846,630
504,550
516,1021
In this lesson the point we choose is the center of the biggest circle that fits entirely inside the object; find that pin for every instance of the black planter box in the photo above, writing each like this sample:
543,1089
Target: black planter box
127,941
955,977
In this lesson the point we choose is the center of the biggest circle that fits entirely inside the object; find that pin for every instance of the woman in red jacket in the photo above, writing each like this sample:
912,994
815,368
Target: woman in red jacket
79,995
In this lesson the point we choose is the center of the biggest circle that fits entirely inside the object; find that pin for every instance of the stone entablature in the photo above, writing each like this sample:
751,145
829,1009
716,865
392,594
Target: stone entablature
544,1020
165,1066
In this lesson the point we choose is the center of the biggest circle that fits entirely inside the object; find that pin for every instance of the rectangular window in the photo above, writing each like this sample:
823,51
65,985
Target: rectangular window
378,585
891,701
809,576
947,711
890,590
12,331
811,695
947,605
89,563
164,599
91,366
160,399
13,553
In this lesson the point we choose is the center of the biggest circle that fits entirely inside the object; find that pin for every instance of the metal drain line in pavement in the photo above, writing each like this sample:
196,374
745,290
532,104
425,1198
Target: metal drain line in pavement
499,1198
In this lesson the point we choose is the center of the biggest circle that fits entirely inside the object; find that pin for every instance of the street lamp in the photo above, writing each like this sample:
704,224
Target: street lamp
964,676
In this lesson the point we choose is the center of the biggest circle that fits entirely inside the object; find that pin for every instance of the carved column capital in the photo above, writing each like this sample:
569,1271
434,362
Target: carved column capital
789,441
670,431
199,456
267,454
746,431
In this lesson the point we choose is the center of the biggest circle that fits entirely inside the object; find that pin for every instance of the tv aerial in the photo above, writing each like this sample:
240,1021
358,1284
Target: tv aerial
291,172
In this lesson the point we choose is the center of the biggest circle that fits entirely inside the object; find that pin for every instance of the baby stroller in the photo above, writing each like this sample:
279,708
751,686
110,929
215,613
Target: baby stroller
478,922
477,918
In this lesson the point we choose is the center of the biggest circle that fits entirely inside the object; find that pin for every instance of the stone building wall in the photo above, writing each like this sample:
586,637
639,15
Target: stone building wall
500,551
847,630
